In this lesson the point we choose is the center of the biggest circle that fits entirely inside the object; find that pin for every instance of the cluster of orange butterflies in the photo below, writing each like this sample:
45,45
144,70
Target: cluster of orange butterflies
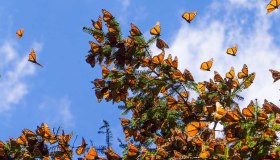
32,54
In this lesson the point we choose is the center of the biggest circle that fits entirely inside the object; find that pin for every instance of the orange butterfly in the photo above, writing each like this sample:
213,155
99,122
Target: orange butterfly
232,51
187,75
95,48
124,121
249,111
132,150
134,30
189,16
32,58
158,59
20,33
82,148
194,127
243,73
275,75
249,80
92,154
98,24
217,77
161,44
206,66
273,4
155,30
231,73
107,16
220,111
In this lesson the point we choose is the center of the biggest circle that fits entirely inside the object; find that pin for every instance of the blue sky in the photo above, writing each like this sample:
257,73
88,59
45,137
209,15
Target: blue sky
61,94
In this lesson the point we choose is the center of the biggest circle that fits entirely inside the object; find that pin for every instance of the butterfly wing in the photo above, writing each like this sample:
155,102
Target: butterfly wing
273,4
134,30
161,44
230,74
107,16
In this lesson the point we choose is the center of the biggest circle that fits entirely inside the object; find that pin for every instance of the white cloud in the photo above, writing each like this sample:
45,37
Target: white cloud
57,110
125,3
210,37
14,69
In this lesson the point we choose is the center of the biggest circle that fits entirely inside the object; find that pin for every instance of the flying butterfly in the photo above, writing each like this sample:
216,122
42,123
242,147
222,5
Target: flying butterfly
32,58
156,29
206,66
243,73
275,75
97,24
134,30
232,51
231,73
19,33
189,16
107,16
161,44
272,5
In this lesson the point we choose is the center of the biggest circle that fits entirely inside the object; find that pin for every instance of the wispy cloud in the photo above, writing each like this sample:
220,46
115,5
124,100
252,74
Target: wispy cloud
14,69
57,111
210,37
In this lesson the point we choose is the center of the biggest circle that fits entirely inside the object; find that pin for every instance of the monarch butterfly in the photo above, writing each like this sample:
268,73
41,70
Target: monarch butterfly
107,16
111,154
98,24
82,148
19,33
28,133
232,116
249,80
134,30
272,5
269,107
217,77
230,74
187,75
112,28
249,111
201,86
158,59
189,16
232,51
105,72
32,58
206,66
65,138
161,44
124,121
132,150
99,36
171,102
95,48
243,73
275,75
220,111
156,29
204,154
22,139
194,127
92,154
